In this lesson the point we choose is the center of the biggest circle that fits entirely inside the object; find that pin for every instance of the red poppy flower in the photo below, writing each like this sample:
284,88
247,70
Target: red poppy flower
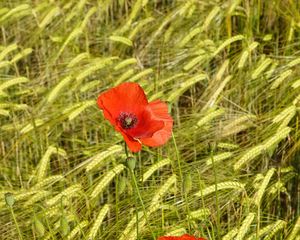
127,109
183,237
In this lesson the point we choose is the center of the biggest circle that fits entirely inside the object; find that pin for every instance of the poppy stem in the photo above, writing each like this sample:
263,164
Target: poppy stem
216,192
136,213
141,200
15,221
137,191
178,157
182,180
126,150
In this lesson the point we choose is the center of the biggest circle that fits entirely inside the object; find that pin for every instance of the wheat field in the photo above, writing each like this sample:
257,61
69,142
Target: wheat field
229,71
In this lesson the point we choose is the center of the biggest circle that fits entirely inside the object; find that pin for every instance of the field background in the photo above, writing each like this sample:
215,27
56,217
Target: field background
230,71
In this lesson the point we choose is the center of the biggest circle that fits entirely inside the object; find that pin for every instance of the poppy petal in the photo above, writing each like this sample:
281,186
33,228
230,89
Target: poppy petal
183,237
133,145
159,111
127,97
168,238
106,113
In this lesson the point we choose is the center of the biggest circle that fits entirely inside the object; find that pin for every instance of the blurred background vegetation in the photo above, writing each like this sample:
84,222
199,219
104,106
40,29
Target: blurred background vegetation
229,70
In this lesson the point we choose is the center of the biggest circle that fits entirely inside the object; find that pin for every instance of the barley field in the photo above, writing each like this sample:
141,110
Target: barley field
230,73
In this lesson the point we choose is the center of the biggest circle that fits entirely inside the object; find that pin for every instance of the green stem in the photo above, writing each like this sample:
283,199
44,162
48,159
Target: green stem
216,191
177,156
187,210
258,221
117,199
16,223
126,150
136,217
181,179
140,198
47,222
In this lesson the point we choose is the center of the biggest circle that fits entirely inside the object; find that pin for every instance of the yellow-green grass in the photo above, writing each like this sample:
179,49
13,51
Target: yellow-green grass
229,71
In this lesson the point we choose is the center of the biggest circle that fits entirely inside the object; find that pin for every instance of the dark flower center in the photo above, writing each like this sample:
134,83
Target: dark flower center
127,120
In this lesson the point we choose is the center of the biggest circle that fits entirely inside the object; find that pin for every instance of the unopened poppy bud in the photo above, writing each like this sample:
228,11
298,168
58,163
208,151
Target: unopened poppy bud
121,185
131,162
187,183
64,226
39,227
9,199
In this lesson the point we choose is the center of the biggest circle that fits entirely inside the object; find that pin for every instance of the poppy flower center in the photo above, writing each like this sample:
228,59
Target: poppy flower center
127,120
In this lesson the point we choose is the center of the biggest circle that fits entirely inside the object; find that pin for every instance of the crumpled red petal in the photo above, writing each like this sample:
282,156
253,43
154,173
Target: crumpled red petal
183,237
159,111
146,126
133,145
